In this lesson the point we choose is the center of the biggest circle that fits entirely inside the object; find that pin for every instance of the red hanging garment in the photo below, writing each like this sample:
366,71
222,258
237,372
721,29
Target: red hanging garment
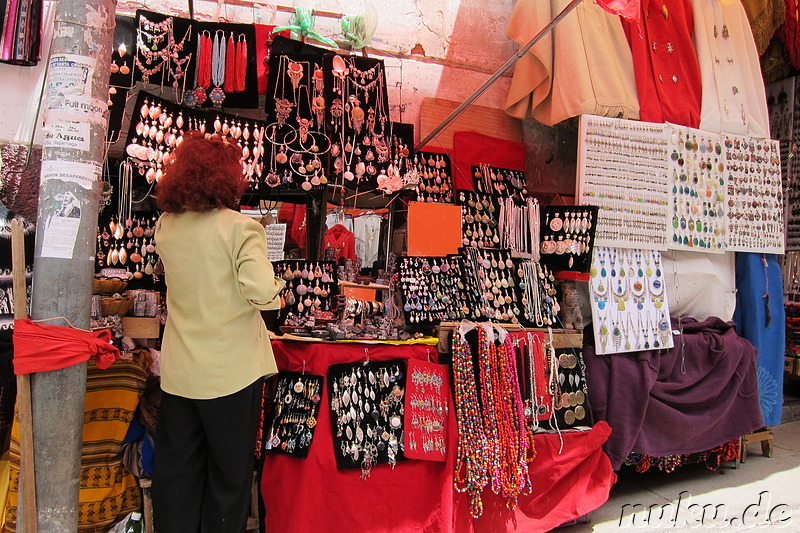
665,63
43,347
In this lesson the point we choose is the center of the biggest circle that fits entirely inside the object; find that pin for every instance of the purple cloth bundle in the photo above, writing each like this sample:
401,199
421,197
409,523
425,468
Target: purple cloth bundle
655,408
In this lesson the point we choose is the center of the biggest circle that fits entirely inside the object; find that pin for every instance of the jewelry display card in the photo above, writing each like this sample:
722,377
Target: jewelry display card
629,301
297,143
500,181
426,407
225,66
570,392
310,288
431,289
276,240
755,195
567,237
435,174
622,169
623,166
357,109
297,399
532,360
121,76
537,286
366,401
697,166
519,227
478,220
128,242
164,50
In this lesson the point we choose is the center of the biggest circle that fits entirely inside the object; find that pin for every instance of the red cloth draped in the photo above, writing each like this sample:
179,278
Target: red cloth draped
43,347
418,496
264,38
566,486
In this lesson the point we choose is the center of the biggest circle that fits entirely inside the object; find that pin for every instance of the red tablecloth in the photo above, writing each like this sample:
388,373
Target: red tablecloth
311,495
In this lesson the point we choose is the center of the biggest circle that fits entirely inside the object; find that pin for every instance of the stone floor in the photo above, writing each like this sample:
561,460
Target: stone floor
743,499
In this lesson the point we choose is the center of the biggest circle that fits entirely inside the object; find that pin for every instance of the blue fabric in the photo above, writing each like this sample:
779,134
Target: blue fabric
750,318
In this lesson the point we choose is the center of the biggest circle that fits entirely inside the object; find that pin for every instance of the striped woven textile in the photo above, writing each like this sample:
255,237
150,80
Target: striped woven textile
108,491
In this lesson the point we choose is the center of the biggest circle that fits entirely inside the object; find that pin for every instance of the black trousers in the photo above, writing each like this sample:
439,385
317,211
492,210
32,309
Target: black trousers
204,460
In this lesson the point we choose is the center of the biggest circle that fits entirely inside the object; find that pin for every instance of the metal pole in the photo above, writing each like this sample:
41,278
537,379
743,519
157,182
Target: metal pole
75,98
502,70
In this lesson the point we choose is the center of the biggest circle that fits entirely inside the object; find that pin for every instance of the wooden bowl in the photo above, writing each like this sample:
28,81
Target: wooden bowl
108,286
116,305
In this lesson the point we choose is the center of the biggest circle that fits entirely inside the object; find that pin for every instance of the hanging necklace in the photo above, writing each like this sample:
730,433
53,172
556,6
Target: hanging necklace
217,94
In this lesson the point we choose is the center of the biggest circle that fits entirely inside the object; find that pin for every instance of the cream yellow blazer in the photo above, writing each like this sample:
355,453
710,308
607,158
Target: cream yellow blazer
218,280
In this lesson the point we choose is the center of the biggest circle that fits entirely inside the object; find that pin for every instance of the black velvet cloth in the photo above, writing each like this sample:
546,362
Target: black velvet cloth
655,408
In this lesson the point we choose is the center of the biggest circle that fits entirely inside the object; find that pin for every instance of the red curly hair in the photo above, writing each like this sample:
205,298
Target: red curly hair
203,173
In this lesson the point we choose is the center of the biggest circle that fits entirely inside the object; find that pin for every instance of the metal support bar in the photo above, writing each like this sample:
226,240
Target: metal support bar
502,70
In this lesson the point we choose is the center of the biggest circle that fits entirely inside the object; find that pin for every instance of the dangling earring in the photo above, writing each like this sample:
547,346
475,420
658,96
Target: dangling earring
114,67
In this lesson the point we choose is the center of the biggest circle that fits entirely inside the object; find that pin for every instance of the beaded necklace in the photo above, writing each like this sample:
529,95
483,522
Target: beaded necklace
487,372
515,439
472,472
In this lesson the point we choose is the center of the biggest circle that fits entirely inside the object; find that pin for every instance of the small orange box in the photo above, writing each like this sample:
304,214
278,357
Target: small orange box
433,229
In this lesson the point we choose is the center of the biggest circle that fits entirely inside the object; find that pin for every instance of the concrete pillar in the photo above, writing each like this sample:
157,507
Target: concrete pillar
73,150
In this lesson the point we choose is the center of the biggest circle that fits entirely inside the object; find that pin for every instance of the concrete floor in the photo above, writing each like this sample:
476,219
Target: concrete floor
743,498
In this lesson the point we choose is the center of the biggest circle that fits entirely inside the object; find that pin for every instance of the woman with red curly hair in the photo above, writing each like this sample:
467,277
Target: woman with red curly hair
216,350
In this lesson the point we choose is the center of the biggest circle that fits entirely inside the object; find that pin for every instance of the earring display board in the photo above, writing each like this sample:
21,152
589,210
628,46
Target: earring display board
622,169
629,304
157,128
426,411
500,181
567,237
697,170
366,401
297,399
430,289
755,195
470,292
478,220
570,392
310,288
435,174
